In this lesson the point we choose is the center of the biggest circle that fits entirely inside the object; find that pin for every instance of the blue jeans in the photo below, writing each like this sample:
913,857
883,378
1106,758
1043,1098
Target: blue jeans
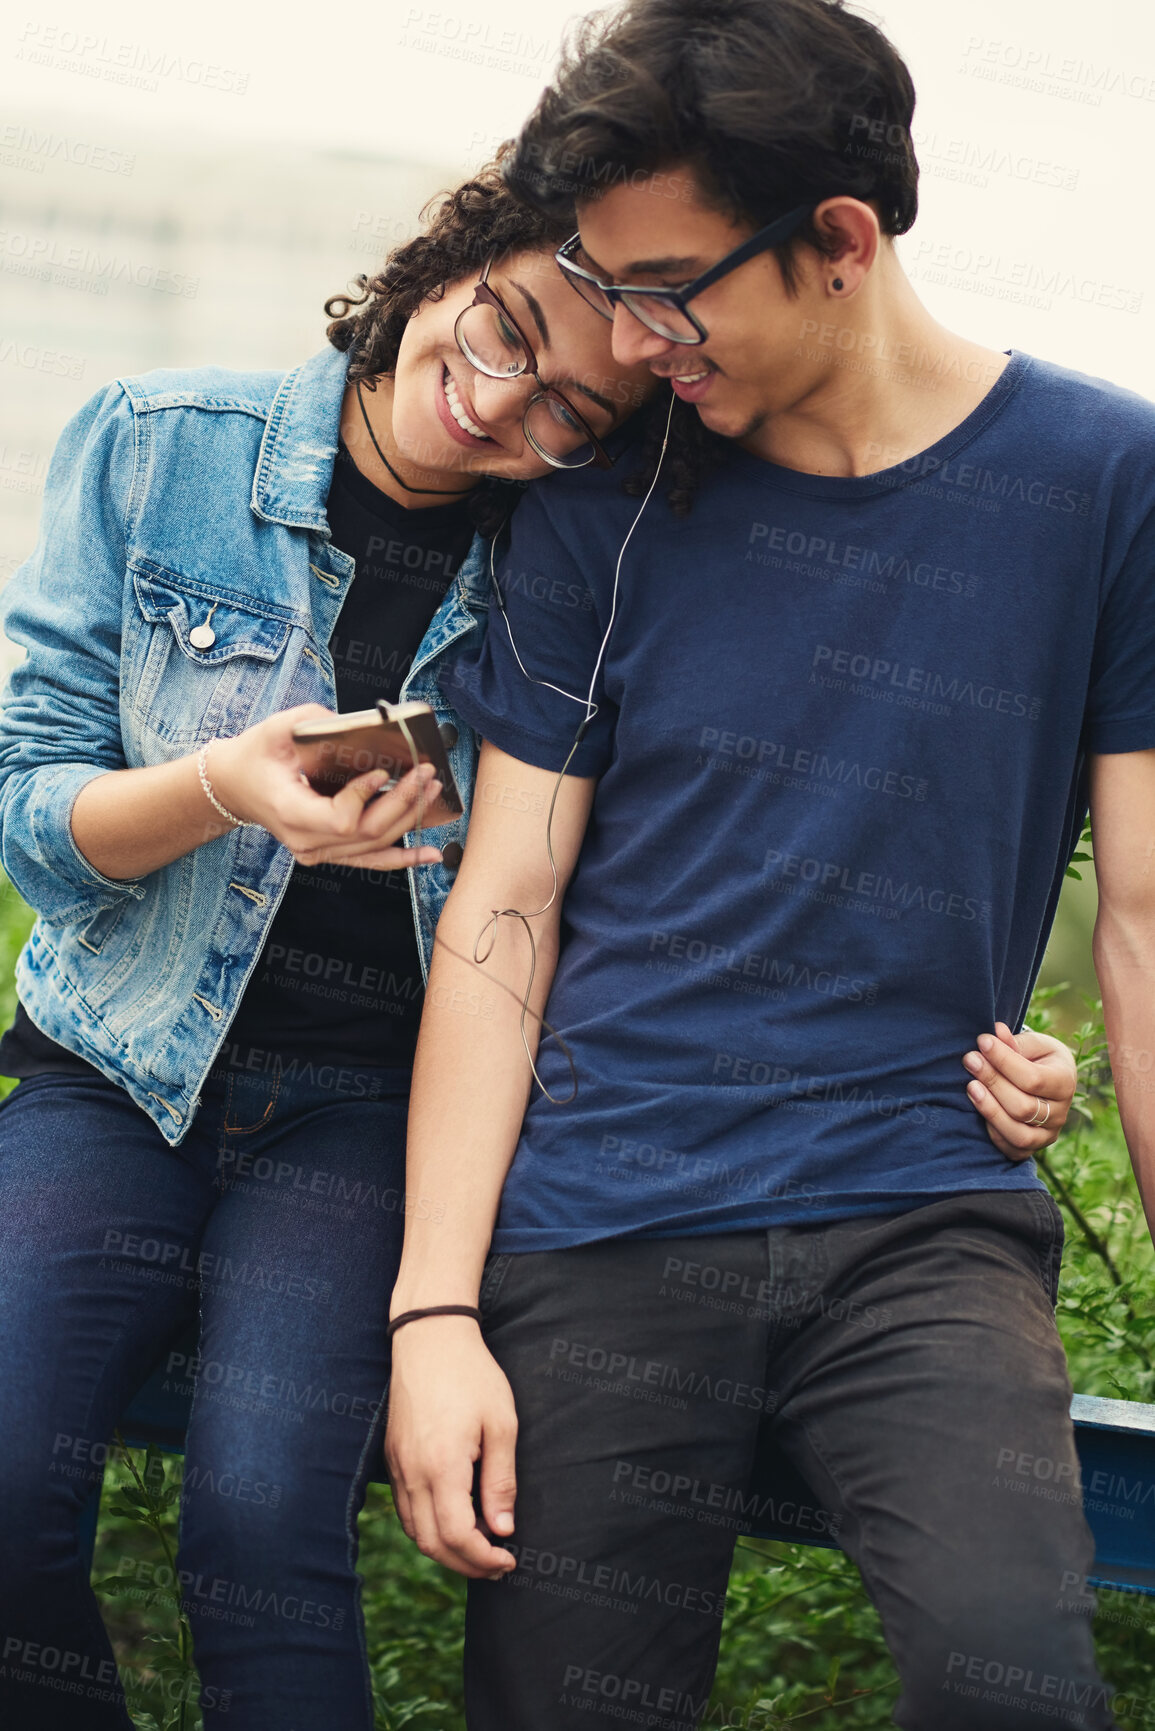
280,1216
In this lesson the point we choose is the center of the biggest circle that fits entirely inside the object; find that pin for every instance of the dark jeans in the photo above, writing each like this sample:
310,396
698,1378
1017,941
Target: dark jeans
907,1364
281,1216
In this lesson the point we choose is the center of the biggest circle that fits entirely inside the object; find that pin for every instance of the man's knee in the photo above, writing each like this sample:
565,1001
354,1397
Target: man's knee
992,1680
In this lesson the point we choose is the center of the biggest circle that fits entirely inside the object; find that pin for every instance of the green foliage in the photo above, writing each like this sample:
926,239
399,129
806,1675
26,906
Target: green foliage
1083,852
801,1644
134,1575
1107,1296
15,924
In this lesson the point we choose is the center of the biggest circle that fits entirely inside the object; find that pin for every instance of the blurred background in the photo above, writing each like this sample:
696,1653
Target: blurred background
180,186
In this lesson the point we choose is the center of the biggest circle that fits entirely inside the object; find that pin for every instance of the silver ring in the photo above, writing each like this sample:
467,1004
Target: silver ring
1043,1106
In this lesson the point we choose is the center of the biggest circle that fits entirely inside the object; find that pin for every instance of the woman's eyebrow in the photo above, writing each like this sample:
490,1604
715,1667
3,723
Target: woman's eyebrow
594,396
534,306
605,403
539,320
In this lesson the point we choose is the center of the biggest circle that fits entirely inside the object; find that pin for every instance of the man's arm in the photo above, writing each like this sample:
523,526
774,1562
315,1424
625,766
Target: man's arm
1123,831
449,1404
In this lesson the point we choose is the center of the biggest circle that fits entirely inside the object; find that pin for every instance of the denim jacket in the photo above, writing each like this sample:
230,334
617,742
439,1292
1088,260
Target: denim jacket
170,495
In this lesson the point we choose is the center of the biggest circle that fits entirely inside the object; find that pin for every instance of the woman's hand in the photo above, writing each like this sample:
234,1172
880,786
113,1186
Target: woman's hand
257,776
1017,1078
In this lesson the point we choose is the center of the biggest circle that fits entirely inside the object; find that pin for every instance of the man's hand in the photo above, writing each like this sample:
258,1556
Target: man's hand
450,1406
1012,1074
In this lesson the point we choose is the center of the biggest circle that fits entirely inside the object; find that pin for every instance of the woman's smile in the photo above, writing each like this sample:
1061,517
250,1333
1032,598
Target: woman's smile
454,412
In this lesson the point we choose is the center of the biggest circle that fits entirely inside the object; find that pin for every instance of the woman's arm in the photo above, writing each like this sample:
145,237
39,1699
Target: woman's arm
133,821
77,829
60,721
449,1403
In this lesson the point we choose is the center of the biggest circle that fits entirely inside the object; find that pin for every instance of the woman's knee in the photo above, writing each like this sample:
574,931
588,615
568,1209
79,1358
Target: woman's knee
253,1527
44,1498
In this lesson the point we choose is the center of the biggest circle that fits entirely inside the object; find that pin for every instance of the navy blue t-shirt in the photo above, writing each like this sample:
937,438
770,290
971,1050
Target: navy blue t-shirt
839,745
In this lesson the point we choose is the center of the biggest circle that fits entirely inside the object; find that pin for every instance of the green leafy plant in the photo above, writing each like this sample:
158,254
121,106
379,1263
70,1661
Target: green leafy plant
1083,852
138,1535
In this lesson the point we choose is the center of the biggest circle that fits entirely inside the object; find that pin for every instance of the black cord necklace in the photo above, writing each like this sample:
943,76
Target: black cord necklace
439,492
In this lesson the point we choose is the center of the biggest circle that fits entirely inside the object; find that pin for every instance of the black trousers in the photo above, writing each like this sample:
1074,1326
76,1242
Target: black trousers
907,1364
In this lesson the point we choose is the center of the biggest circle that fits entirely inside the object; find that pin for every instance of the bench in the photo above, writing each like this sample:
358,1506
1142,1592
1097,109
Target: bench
1116,1444
1115,1440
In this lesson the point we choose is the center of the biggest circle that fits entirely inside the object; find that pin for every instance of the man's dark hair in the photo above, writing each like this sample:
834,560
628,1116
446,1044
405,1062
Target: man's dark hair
771,104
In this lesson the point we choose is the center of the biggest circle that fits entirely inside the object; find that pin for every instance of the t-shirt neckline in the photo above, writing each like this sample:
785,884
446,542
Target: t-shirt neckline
449,515
915,468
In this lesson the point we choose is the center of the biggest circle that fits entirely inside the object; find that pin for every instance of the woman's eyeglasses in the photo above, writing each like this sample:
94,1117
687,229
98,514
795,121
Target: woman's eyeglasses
666,310
491,340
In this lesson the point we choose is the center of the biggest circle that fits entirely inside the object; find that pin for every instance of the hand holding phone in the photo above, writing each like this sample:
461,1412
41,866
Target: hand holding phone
393,737
257,775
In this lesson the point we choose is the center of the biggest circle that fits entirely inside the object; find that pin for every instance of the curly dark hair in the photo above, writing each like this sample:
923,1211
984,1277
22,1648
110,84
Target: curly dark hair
772,104
461,229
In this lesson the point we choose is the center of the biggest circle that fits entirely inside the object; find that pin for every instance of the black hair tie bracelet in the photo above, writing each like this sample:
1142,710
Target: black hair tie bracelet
433,1310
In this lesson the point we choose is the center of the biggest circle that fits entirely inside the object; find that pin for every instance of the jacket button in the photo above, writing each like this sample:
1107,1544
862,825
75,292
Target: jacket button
448,735
451,855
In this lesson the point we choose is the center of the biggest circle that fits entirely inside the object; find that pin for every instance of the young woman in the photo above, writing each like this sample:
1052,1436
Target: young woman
220,996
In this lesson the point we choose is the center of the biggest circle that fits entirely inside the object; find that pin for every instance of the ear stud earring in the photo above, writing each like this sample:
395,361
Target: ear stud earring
836,284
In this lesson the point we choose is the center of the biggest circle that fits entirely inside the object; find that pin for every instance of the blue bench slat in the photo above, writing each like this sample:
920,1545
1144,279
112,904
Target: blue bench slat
1116,1443
1115,1440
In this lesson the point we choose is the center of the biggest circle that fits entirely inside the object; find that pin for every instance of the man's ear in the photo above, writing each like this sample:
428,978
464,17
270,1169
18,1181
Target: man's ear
851,228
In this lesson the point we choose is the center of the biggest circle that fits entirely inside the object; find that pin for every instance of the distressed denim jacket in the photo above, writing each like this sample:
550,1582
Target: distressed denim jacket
171,496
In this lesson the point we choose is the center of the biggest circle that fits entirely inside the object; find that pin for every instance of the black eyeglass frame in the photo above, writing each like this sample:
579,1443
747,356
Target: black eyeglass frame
617,294
485,296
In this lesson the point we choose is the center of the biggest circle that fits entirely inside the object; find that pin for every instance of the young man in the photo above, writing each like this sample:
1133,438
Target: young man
842,724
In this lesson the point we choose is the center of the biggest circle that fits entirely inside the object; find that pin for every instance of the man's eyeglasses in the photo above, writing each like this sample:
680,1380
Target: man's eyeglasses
491,340
666,310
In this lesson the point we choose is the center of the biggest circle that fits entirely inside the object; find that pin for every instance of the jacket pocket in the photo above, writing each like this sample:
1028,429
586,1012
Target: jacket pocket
100,928
197,656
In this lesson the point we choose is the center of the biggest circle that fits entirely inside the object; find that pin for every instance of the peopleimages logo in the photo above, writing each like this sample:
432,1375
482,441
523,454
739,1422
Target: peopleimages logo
919,573
83,266
138,64
25,147
1029,66
992,487
730,966
926,682
853,887
809,763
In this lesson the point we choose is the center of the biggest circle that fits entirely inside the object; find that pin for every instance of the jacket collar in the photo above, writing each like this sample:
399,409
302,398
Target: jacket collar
473,576
299,447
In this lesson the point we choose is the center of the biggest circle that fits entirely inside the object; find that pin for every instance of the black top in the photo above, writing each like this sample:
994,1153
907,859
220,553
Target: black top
339,978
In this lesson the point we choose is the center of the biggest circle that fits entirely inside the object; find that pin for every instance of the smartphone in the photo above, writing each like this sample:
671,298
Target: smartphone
335,748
